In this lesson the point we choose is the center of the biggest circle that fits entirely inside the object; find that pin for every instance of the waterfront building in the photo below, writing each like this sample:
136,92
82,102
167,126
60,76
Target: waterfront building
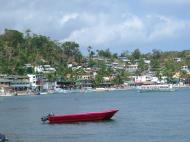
19,83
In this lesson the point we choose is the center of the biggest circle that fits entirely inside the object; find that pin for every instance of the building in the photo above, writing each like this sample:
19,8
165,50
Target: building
44,69
19,83
132,68
146,79
32,80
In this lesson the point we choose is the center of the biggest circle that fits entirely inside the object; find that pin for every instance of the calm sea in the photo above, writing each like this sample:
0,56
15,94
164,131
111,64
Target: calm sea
142,117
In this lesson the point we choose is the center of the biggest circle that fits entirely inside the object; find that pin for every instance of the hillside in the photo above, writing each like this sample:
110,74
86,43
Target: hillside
18,49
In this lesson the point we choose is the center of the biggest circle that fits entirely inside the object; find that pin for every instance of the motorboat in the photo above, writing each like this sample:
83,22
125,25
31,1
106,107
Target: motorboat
79,117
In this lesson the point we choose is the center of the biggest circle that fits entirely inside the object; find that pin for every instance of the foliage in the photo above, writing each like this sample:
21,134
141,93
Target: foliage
136,54
104,53
18,49
141,66
170,69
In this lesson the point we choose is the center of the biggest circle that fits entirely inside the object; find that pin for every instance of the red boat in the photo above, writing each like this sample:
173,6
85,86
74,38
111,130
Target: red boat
79,117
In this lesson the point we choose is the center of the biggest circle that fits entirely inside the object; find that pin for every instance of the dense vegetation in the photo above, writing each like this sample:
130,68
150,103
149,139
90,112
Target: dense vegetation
18,49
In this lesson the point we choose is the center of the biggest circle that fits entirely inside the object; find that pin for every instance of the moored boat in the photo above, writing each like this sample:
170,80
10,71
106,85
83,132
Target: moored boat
79,117
156,87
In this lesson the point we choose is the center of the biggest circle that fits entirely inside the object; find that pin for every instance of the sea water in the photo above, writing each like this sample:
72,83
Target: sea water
142,117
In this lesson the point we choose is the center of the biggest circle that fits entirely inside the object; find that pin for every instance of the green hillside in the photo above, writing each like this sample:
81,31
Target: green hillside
18,49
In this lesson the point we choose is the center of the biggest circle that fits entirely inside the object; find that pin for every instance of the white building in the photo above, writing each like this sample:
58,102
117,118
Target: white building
69,65
185,68
39,69
146,78
32,80
177,59
132,68
147,62
44,69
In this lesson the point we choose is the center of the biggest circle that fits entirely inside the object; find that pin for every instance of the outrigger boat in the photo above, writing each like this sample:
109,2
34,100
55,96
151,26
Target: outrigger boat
79,117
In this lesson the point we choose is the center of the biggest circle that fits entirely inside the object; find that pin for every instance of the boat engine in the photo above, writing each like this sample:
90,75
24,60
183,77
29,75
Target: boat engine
45,118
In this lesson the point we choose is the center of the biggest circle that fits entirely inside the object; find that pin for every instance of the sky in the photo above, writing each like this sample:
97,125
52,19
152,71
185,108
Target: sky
119,25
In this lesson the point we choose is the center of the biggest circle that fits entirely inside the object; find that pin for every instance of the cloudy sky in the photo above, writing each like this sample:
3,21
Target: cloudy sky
115,24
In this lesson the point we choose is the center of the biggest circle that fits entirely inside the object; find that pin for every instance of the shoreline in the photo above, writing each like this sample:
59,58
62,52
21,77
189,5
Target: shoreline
98,89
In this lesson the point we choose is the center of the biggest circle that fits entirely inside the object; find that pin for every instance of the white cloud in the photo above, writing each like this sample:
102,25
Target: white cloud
168,28
67,17
172,2
144,22
132,29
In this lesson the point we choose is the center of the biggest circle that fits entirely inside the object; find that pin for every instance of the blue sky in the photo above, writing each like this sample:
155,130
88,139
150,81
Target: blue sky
115,24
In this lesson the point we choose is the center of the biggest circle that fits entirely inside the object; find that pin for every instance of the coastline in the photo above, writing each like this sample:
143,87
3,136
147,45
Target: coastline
83,90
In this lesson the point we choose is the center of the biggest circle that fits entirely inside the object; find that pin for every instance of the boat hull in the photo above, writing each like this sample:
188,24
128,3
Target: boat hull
81,117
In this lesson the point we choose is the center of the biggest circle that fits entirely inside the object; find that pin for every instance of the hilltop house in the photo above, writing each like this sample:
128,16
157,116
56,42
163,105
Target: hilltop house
185,68
44,69
132,68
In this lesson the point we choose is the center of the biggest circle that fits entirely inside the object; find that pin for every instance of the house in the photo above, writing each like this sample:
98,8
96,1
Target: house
85,76
69,65
185,68
48,69
115,64
177,60
28,66
83,83
146,79
37,81
147,62
44,69
32,80
124,59
39,69
19,83
4,80
132,68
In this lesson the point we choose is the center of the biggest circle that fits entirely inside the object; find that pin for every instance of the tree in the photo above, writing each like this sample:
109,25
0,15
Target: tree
17,50
92,63
104,53
115,56
13,38
156,54
98,80
90,52
155,64
71,50
27,33
142,66
136,54
125,54
117,80
169,69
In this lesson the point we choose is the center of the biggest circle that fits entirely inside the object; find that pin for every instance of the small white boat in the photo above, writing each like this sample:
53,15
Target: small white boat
60,90
101,89
156,87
